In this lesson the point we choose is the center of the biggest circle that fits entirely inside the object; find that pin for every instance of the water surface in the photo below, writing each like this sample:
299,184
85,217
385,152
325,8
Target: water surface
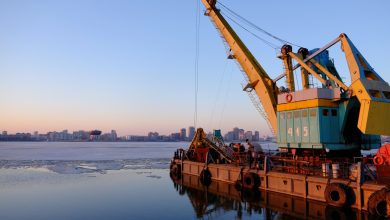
46,180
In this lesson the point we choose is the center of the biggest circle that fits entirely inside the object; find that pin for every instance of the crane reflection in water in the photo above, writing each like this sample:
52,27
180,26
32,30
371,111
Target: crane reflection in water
207,204
220,199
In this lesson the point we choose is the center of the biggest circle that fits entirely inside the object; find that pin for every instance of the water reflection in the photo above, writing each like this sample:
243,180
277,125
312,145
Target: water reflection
221,198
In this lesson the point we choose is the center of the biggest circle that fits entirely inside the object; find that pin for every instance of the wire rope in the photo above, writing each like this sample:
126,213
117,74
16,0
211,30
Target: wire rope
196,72
226,97
256,27
222,77
274,46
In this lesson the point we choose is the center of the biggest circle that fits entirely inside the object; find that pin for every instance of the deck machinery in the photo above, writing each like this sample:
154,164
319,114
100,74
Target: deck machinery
333,119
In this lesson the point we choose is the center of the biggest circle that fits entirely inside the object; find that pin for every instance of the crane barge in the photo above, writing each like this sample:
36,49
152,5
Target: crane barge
316,127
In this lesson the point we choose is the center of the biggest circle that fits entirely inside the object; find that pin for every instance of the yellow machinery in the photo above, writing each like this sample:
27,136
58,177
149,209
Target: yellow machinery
333,118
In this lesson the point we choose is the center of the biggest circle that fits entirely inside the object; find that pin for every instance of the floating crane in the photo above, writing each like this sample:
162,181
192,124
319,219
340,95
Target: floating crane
335,119
316,127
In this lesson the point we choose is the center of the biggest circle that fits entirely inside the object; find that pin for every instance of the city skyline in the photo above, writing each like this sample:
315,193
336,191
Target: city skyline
87,67
184,134
188,131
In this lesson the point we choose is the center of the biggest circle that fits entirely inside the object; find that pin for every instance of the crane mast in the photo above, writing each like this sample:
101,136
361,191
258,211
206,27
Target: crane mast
259,81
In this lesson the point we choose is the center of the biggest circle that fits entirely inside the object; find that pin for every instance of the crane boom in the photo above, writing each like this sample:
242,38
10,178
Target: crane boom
259,80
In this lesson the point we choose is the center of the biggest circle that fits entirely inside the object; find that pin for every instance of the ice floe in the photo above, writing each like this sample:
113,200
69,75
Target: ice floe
81,166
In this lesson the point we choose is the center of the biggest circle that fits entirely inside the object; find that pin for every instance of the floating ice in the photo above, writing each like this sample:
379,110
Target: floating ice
80,166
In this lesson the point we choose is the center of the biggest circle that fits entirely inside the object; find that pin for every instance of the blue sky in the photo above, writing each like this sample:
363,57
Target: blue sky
129,65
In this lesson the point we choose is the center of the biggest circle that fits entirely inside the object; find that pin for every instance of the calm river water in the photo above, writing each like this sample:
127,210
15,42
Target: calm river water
45,180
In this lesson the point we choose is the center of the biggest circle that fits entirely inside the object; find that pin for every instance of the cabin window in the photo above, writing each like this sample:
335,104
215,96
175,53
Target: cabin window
304,113
386,94
334,112
375,93
283,115
289,115
325,112
297,114
313,112
370,75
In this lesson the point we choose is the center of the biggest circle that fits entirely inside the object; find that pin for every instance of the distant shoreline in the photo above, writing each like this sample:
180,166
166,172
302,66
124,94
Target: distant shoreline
235,141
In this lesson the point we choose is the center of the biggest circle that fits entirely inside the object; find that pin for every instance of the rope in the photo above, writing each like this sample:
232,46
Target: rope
255,26
255,35
226,98
197,27
211,122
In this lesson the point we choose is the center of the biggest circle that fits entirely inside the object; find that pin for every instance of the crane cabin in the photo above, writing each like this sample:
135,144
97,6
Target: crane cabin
333,117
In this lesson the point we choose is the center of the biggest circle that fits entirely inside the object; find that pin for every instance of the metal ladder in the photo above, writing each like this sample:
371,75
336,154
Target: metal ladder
221,150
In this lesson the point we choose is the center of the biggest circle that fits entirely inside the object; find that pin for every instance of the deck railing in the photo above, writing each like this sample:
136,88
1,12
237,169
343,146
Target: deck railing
311,166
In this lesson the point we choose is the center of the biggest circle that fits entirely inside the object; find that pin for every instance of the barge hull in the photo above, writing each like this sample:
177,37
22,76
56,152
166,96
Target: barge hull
299,185
293,206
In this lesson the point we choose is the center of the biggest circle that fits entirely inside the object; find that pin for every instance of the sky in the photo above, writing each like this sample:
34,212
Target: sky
129,65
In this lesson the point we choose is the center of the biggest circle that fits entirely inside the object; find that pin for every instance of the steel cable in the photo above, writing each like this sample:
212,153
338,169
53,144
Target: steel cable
256,27
197,28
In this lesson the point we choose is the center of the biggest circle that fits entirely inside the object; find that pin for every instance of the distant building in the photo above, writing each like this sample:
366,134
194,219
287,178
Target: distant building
268,138
5,133
241,135
229,136
81,135
114,136
183,134
166,138
52,136
136,138
95,135
256,137
191,133
236,134
210,135
175,136
248,135
153,136
20,137
35,136
64,136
